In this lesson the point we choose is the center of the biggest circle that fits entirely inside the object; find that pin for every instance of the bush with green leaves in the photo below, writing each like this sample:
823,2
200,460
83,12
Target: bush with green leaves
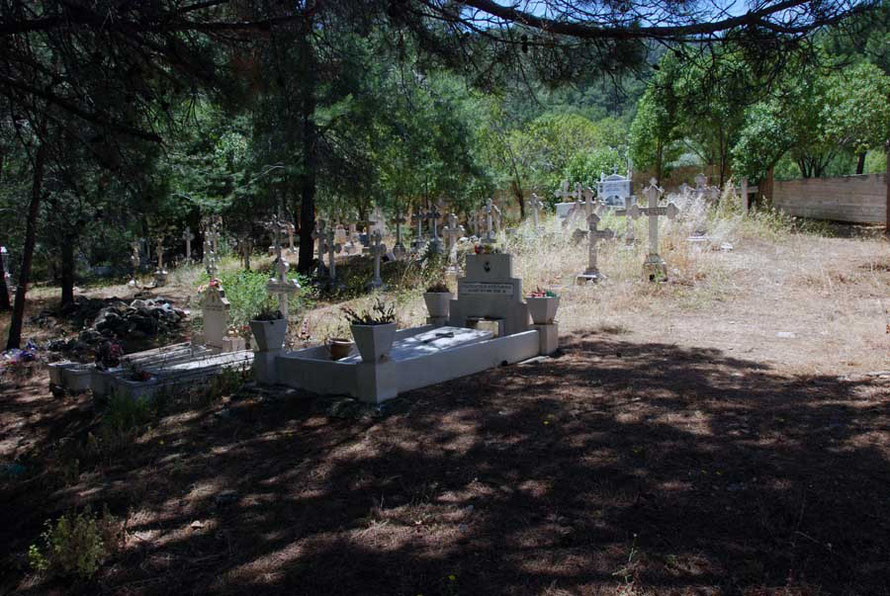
247,294
75,546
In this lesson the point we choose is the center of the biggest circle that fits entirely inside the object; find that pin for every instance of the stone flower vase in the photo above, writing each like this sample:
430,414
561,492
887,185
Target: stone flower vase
543,310
437,303
374,341
269,335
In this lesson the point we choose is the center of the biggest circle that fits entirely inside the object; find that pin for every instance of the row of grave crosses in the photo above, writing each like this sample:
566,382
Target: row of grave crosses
654,267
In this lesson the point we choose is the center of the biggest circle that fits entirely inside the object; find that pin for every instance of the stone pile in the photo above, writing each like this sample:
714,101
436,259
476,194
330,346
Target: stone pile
118,320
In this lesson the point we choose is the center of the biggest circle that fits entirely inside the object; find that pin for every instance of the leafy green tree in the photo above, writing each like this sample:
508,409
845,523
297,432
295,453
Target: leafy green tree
858,110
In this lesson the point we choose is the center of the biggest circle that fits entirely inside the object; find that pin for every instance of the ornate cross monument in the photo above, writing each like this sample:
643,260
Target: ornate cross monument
377,251
654,268
491,210
188,237
594,235
280,285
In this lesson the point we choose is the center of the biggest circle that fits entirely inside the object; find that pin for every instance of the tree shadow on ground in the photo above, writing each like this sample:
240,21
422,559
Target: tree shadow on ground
647,467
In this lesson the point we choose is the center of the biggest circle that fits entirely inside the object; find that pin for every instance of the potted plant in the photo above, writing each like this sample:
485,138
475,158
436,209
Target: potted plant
438,299
269,328
542,306
373,330
339,347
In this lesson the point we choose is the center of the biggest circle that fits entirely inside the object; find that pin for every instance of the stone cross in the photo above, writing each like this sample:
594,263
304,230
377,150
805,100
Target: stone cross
377,250
188,237
399,249
564,192
333,247
490,210
629,236
280,285
587,200
654,268
592,273
535,203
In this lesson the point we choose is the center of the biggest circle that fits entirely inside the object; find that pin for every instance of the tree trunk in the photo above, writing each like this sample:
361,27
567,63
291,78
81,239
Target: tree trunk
4,290
860,165
307,178
5,306
18,310
517,192
67,274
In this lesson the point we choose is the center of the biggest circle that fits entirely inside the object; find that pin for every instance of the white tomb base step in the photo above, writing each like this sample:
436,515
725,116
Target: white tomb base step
170,375
166,367
420,357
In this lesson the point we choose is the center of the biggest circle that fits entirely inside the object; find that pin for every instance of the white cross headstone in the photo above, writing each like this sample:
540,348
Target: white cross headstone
188,237
377,251
280,285
491,210
654,268
594,235
333,248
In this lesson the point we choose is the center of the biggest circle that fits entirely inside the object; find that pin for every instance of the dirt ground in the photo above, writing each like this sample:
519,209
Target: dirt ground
735,441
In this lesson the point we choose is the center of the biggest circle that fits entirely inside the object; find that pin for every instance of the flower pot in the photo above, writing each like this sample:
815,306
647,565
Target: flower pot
339,347
269,335
374,341
543,310
437,303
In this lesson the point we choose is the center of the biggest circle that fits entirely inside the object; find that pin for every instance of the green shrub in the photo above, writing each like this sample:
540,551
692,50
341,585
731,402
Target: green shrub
73,546
247,295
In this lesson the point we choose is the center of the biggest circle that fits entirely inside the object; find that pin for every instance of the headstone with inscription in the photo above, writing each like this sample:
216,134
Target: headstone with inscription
490,292
613,190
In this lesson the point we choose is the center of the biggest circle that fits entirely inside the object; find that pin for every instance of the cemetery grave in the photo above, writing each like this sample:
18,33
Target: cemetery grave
712,383
356,298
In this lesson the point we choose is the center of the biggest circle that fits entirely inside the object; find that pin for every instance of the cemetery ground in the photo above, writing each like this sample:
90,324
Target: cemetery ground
725,432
